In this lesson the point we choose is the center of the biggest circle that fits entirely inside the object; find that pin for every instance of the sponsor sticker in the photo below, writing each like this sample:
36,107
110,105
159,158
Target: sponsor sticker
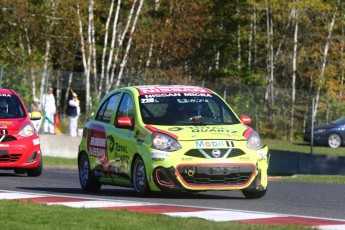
262,155
163,155
36,141
170,89
209,144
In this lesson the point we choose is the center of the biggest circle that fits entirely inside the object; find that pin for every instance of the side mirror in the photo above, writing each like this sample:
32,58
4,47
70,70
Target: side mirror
35,116
124,122
246,119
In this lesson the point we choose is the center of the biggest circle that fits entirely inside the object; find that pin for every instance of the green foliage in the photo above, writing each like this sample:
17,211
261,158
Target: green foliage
208,42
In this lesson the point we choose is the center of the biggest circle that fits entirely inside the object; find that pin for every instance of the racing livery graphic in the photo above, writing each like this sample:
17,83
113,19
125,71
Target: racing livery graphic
171,138
20,148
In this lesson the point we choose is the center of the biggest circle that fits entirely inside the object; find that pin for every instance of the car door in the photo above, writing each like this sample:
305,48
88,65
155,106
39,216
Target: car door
124,142
98,143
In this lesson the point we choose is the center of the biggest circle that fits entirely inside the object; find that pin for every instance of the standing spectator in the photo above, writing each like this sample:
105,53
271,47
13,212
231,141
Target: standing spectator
49,109
73,112
35,107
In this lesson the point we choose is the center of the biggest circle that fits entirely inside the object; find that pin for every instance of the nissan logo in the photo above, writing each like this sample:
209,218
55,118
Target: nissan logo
216,152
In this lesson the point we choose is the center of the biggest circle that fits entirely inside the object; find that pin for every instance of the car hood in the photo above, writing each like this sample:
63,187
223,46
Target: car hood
202,132
328,126
13,124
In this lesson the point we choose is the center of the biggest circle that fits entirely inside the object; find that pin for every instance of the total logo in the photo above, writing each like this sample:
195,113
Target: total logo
206,144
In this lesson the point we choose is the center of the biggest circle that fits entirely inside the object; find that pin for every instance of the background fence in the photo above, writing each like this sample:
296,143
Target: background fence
274,122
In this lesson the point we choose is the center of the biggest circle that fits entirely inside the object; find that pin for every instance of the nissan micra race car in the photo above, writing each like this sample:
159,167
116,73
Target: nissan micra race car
171,138
20,148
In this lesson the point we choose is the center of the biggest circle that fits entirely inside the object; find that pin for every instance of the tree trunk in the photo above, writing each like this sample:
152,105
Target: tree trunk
294,69
269,94
323,67
124,60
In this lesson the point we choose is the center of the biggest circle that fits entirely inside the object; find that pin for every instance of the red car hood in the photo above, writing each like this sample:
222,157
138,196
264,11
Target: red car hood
13,124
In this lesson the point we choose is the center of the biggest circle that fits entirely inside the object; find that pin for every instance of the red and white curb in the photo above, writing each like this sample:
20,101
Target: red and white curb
211,214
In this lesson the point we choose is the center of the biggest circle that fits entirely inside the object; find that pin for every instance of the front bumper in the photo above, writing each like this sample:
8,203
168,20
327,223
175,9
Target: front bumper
20,153
205,176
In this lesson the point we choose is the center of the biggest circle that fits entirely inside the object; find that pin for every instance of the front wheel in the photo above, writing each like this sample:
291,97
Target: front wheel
139,178
87,181
34,172
249,194
334,140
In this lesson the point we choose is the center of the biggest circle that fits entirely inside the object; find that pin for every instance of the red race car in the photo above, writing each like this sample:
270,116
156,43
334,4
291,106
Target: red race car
20,148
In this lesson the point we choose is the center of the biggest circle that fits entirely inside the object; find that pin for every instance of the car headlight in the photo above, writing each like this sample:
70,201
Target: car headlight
319,131
164,142
27,130
254,141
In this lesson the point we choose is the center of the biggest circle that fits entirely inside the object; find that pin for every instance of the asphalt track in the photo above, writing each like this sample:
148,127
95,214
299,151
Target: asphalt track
309,204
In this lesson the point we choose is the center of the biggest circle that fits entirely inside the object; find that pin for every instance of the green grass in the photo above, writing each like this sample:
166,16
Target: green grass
59,161
328,179
302,147
29,215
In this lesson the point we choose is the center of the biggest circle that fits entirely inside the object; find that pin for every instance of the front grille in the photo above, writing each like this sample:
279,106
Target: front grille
216,175
207,153
6,138
5,158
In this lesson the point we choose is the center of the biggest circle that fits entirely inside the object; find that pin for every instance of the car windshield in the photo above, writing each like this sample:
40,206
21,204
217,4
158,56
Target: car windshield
339,121
11,107
184,109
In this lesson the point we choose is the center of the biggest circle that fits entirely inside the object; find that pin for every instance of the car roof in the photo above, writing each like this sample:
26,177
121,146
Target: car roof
7,91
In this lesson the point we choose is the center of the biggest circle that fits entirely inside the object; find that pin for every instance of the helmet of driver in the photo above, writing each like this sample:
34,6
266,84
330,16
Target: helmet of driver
3,106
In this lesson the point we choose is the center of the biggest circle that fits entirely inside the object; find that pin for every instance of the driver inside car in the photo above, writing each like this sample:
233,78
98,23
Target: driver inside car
3,106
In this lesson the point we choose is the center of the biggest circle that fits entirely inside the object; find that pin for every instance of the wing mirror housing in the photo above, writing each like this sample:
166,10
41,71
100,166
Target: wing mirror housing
246,119
124,122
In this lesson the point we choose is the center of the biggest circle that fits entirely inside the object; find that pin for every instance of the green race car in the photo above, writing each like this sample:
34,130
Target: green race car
171,138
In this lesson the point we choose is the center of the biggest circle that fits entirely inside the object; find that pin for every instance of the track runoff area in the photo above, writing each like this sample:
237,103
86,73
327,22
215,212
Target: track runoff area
211,214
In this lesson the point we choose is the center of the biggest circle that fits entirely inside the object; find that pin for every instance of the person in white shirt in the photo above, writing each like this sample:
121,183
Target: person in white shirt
49,109
73,112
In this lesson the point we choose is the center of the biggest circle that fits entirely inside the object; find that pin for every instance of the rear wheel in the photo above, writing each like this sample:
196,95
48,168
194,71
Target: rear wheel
87,181
139,178
34,172
334,140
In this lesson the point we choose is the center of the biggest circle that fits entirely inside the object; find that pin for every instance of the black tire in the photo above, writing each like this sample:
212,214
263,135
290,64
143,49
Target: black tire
249,194
334,140
87,182
35,172
139,177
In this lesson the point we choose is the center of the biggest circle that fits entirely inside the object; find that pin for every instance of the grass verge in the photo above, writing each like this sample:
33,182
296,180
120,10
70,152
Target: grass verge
302,147
29,215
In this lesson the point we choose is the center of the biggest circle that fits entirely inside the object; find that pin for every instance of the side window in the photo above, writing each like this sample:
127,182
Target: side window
105,112
126,108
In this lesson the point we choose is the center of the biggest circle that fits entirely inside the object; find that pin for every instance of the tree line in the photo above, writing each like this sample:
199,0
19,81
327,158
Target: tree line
295,45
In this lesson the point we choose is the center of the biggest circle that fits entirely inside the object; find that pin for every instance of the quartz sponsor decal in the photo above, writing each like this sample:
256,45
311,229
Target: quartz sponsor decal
175,129
213,130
